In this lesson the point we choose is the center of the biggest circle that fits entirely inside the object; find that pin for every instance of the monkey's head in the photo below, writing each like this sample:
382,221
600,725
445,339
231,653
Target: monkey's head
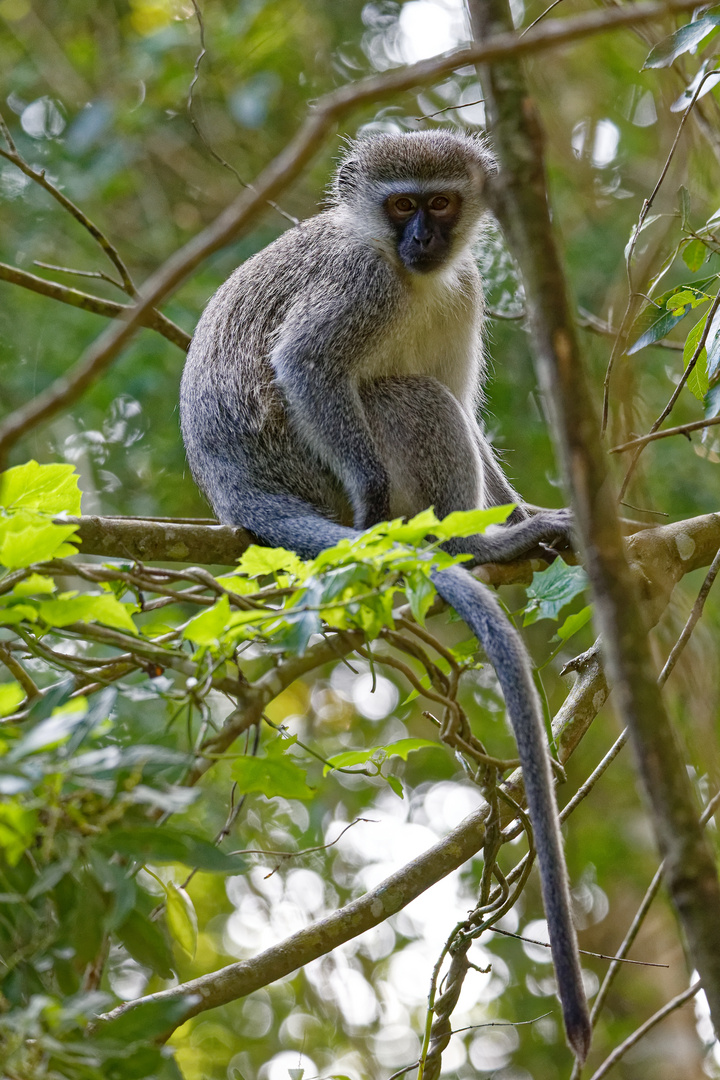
417,197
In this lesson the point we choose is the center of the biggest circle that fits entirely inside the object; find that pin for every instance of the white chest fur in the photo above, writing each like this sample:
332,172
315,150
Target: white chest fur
437,332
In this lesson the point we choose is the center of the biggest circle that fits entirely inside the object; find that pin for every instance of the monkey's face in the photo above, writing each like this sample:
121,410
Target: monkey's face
423,224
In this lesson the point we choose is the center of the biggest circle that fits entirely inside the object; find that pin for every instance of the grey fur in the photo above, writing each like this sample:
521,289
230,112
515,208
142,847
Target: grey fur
329,387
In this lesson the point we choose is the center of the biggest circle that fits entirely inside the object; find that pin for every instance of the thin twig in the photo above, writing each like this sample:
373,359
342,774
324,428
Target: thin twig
13,155
196,123
676,392
628,260
620,1051
152,319
693,618
585,952
681,429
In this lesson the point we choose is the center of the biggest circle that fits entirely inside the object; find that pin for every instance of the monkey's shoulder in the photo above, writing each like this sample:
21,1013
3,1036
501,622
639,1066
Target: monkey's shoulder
318,253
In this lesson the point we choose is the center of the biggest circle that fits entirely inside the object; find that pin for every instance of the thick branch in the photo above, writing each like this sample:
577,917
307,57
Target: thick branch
153,319
283,170
522,206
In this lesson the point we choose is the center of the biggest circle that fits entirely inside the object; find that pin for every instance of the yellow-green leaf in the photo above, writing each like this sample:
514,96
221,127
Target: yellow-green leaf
88,608
208,627
263,560
18,827
181,918
28,537
53,489
11,694
34,585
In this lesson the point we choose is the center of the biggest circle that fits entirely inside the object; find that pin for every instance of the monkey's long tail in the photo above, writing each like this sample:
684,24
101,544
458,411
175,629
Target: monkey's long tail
506,652
288,522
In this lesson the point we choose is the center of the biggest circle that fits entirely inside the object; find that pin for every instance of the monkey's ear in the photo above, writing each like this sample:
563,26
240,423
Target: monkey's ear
345,178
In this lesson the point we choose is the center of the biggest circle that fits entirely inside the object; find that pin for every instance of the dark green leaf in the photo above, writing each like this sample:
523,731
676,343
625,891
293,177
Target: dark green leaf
168,845
147,1021
552,589
276,774
147,943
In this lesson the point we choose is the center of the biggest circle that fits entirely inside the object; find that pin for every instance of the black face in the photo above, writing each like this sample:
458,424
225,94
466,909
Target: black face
423,226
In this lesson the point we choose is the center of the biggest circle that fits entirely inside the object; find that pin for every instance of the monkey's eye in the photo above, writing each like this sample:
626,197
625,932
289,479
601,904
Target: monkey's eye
402,206
441,204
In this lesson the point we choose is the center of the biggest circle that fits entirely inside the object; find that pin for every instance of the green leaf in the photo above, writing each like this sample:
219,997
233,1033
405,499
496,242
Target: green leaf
420,592
694,255
395,785
662,323
698,380
684,203
575,622
682,40
400,749
28,537
468,522
712,344
145,1022
11,694
275,774
18,828
51,732
209,626
34,585
681,299
88,608
147,943
712,403
264,560
53,489
181,918
166,845
552,589
659,317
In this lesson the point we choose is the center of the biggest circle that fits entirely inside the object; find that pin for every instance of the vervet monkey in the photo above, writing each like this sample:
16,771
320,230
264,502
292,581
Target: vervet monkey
333,382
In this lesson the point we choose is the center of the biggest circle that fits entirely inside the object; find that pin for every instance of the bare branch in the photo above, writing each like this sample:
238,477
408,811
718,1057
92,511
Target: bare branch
153,319
620,1051
523,209
283,170
13,155
681,429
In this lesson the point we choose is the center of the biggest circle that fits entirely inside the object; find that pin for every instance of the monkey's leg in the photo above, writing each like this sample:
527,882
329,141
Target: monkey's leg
432,455
435,455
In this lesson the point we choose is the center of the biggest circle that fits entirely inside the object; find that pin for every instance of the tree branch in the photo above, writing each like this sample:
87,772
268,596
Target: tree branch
681,429
522,206
153,319
283,170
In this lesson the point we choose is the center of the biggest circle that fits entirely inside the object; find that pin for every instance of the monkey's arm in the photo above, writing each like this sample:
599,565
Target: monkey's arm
325,409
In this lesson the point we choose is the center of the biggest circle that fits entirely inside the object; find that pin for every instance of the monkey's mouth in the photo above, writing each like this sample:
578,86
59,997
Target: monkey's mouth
424,263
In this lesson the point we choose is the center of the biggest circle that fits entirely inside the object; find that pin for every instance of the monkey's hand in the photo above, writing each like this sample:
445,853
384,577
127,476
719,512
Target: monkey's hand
546,530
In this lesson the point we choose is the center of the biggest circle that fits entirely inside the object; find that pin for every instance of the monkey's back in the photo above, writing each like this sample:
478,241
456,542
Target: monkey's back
231,408
336,300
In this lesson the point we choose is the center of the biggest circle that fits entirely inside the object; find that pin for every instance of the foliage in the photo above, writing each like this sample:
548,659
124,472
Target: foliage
137,846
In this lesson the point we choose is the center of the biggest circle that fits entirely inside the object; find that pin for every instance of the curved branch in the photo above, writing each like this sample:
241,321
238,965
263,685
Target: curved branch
285,167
